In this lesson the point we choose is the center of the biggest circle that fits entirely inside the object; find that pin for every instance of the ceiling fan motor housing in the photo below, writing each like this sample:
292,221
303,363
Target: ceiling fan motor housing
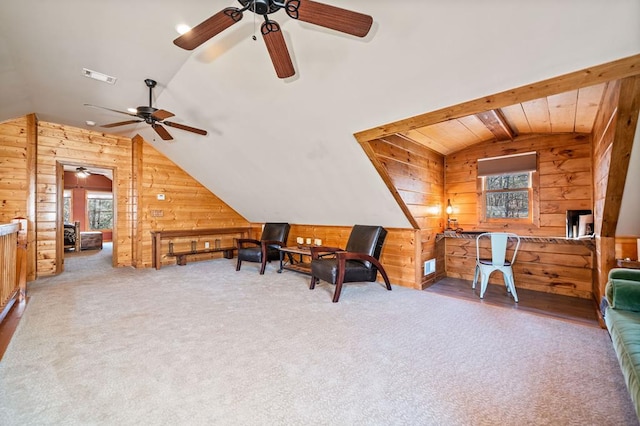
145,111
260,7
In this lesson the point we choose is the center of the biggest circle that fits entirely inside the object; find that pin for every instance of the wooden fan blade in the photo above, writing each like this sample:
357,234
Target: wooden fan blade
109,109
187,128
277,48
162,132
327,16
209,28
121,123
161,114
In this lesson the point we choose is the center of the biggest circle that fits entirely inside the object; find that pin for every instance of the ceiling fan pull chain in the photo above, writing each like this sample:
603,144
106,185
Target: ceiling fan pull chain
254,28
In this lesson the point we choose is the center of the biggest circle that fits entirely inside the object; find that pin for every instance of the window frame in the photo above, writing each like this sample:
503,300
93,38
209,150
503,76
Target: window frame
100,195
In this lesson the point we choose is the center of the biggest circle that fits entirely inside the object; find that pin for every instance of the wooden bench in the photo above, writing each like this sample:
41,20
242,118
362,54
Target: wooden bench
181,257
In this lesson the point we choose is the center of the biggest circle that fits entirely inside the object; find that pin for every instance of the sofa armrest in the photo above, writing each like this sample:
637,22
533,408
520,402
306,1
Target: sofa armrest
623,289
625,274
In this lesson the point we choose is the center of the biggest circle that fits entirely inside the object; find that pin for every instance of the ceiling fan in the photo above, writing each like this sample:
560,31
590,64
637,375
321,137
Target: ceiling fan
82,172
321,14
152,116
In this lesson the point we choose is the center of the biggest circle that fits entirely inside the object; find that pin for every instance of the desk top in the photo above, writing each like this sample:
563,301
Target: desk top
624,263
588,242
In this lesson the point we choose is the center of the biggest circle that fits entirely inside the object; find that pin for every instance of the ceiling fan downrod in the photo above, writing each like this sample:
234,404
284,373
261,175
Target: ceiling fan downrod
150,84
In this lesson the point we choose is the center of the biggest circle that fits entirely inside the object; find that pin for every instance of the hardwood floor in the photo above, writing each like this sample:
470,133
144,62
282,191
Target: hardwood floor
558,306
9,324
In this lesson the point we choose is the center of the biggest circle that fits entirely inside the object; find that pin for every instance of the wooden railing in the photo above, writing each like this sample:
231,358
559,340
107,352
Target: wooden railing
13,264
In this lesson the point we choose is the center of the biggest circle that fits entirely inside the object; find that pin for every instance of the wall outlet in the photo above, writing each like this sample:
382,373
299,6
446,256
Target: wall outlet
429,266
206,244
160,197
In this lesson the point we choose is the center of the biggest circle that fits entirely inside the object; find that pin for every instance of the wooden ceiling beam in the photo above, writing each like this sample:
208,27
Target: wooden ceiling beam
622,68
625,127
497,124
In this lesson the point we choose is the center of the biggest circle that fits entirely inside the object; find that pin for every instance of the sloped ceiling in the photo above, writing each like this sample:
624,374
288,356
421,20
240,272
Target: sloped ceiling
284,149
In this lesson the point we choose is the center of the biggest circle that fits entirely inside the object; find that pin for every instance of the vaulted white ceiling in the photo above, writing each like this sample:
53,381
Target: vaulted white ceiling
284,149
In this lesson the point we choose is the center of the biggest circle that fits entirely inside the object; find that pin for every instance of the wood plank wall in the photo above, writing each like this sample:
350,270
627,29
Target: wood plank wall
564,179
398,252
627,247
17,178
187,205
416,175
58,144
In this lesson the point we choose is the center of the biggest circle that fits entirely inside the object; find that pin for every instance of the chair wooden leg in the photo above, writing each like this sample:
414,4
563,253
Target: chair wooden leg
386,278
238,264
312,285
337,291
264,265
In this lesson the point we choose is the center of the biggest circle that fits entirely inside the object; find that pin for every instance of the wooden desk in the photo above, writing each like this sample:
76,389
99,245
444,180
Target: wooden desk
631,264
547,264
158,236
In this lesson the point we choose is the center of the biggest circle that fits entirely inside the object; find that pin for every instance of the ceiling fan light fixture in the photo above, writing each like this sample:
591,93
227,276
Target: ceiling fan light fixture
183,28
82,172
99,76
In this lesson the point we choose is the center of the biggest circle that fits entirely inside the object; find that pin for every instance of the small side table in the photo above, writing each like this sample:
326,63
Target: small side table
631,264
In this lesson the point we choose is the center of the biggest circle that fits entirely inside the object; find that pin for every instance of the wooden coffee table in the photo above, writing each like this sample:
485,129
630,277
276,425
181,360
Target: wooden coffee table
297,259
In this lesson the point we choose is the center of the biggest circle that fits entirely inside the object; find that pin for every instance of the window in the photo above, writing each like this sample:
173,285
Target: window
507,187
99,210
66,207
508,196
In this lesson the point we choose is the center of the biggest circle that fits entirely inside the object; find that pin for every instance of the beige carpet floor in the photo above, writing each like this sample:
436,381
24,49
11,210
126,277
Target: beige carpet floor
203,344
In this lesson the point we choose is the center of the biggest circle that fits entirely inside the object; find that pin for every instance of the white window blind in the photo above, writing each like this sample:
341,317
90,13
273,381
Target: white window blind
516,163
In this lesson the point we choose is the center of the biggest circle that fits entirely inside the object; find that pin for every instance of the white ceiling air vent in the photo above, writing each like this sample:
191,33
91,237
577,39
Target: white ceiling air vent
98,76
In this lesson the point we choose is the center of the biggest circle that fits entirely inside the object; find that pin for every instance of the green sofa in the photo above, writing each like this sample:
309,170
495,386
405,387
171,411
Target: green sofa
622,316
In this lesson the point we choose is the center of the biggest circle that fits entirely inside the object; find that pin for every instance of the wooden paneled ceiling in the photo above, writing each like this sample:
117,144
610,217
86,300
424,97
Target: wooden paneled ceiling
572,111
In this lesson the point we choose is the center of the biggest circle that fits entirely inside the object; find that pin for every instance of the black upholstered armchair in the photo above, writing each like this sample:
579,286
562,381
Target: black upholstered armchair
358,262
274,235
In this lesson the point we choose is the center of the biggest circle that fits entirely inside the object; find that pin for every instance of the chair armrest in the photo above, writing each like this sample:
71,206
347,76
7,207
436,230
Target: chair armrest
266,243
623,293
242,241
319,251
343,256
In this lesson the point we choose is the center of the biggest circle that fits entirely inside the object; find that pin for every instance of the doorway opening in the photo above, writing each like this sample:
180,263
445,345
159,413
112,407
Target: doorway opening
87,207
